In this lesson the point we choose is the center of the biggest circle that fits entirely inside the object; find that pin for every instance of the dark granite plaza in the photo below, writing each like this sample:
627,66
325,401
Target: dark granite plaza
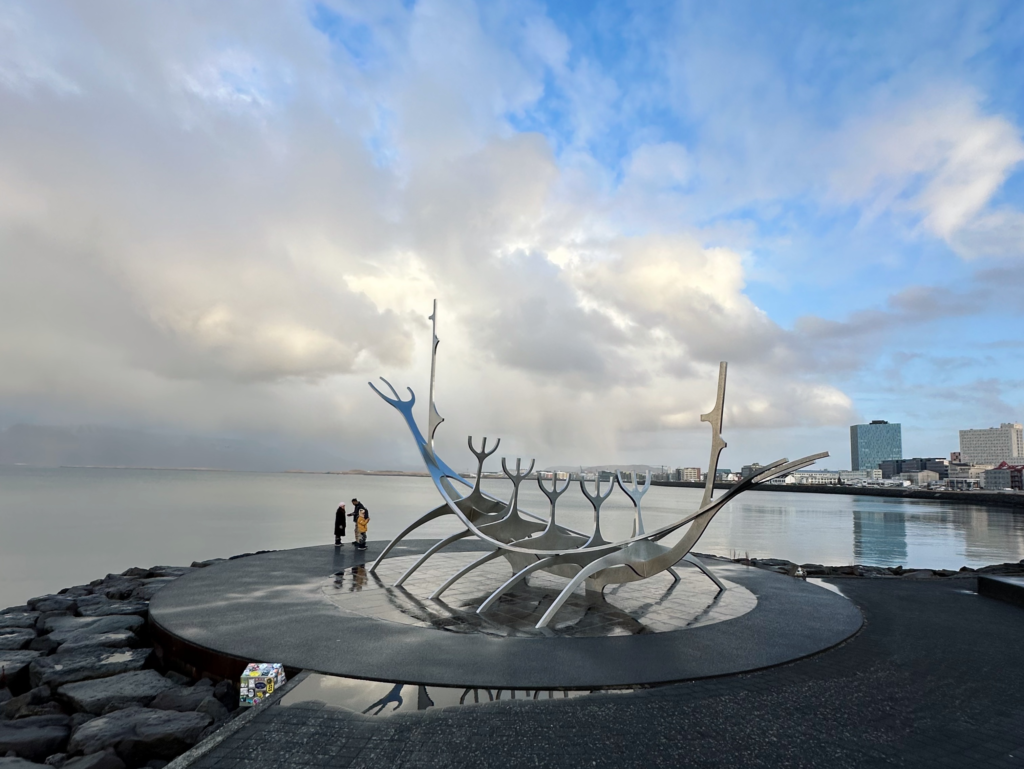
932,680
304,609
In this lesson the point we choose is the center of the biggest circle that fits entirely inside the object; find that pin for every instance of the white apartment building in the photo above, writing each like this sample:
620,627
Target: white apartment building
993,445
691,474
860,475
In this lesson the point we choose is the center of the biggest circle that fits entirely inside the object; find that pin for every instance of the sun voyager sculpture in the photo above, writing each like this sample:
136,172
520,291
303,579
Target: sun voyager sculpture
531,543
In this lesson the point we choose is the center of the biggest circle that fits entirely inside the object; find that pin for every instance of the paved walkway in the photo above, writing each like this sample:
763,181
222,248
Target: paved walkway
934,679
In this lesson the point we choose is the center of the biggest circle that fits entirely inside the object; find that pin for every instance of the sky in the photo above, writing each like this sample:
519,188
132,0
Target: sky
223,219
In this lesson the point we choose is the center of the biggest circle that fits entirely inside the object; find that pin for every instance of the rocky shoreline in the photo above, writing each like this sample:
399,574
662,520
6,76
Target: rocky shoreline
857,570
81,686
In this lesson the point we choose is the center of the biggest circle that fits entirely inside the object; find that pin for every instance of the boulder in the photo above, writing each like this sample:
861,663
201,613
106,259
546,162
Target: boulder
105,760
227,693
57,759
14,638
919,574
140,734
45,709
108,608
214,708
29,703
136,688
177,678
5,697
61,629
117,640
35,738
16,763
120,588
75,592
18,619
80,718
14,667
170,571
149,588
43,644
57,603
183,699
204,564
85,665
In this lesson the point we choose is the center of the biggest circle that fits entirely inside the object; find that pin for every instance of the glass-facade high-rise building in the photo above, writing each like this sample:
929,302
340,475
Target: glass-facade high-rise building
872,444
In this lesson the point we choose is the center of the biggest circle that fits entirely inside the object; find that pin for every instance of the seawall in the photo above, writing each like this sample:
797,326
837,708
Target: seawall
985,498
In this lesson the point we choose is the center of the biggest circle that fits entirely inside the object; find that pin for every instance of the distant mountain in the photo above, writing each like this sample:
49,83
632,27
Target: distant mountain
606,468
109,447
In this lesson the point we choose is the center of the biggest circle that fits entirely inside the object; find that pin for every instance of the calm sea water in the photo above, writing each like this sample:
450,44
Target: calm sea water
65,526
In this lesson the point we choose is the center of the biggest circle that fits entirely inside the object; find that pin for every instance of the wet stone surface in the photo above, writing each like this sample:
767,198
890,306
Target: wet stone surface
649,606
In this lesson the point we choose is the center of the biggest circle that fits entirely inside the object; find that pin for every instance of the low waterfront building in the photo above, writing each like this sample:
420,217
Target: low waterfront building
814,477
963,484
860,475
964,471
1005,476
893,468
921,477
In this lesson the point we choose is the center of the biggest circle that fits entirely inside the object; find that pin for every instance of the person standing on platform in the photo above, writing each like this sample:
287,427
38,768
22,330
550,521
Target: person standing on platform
339,524
357,506
362,524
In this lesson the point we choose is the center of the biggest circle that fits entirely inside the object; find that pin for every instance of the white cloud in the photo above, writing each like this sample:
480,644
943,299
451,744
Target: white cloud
939,157
29,58
248,267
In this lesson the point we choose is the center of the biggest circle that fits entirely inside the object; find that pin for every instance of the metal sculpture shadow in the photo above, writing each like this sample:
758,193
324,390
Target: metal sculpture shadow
531,543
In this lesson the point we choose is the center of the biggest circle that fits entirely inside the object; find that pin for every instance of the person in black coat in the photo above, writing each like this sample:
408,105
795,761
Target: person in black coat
339,524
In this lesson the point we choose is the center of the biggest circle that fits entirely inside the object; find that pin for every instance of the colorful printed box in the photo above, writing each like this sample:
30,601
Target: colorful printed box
258,681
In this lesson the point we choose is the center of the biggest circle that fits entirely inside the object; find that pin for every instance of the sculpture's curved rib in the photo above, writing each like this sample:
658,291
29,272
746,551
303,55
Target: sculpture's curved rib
437,512
612,559
433,549
691,558
512,581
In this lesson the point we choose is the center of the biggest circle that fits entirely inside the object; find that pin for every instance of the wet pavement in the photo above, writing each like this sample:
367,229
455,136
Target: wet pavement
648,606
310,608
932,680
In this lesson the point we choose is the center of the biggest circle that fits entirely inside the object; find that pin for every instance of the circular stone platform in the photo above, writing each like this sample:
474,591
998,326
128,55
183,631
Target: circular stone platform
320,609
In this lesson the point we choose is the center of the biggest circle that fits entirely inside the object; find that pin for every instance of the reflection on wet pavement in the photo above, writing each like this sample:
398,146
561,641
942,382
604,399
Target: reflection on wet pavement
649,606
382,698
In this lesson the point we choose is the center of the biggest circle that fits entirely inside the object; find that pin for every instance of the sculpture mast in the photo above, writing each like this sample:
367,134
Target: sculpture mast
714,417
434,419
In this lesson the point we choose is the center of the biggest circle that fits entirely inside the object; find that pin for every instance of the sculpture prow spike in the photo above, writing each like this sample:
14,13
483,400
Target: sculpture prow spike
714,418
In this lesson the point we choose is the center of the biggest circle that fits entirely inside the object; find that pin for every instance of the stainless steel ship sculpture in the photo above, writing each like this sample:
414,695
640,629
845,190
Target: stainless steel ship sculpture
531,543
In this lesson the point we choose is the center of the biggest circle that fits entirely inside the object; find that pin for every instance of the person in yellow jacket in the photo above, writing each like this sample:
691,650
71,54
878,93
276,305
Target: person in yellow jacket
362,524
